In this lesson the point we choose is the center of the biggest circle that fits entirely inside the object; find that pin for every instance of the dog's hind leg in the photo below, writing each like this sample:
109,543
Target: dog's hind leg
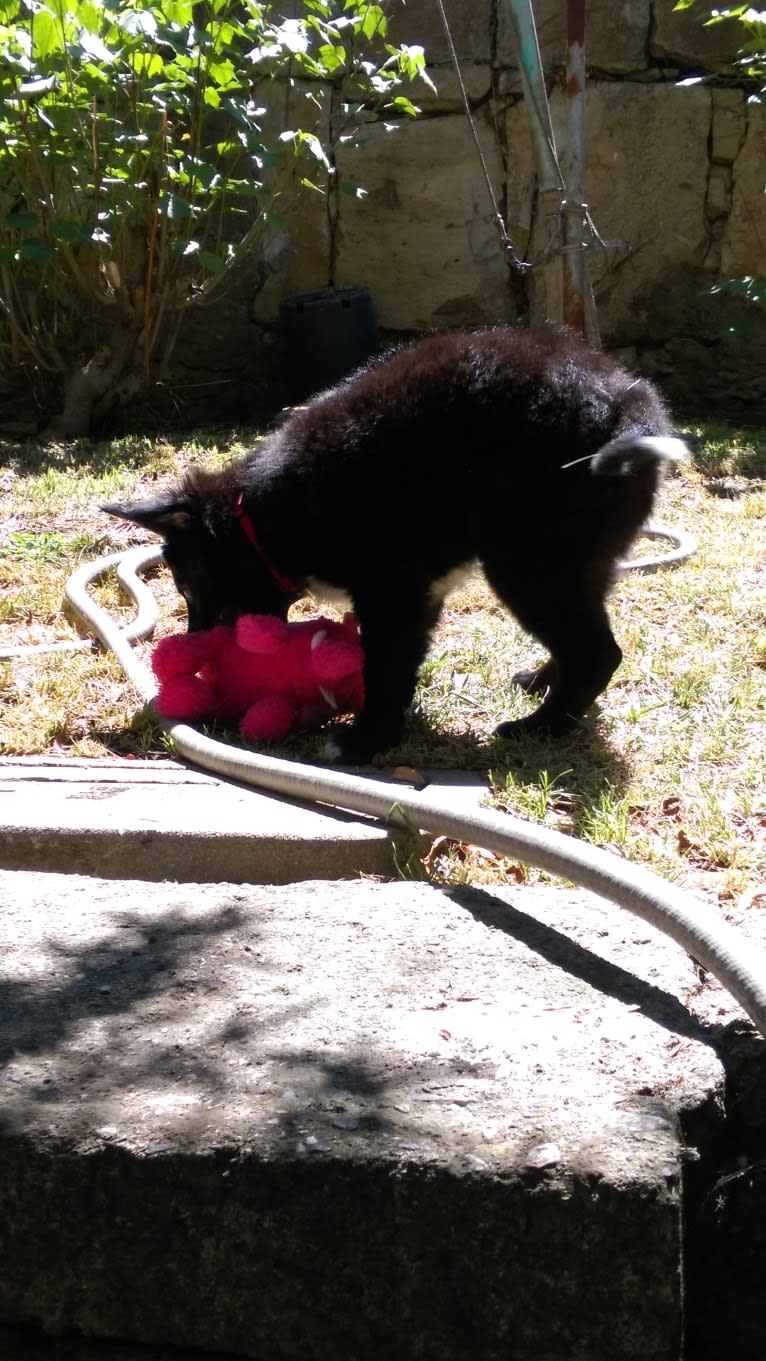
570,619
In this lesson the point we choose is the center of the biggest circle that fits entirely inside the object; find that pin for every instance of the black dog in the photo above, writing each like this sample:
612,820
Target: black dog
525,450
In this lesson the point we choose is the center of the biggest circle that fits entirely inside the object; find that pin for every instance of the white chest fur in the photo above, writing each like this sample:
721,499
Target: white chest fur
439,589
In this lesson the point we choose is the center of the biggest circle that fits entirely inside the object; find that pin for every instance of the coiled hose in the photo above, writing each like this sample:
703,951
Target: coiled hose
689,922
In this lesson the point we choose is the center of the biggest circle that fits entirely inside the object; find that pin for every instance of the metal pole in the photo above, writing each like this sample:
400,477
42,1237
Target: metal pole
574,216
533,83
579,305
569,295
548,170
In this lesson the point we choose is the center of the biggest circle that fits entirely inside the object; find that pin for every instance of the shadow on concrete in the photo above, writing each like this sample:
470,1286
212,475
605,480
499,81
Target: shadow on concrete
106,978
124,1011
657,1005
128,985
113,1026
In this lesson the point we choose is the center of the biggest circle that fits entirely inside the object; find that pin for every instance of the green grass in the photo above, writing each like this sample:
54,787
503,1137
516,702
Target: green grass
669,769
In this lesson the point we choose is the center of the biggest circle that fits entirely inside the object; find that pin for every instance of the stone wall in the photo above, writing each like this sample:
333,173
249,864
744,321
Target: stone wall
675,169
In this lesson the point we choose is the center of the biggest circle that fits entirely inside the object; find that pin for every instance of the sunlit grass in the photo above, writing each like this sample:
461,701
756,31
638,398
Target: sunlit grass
668,770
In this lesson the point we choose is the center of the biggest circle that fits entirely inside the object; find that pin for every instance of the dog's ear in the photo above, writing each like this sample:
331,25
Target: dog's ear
162,516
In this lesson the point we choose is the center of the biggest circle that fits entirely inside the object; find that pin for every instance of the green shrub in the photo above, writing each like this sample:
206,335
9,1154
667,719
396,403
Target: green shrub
751,61
142,163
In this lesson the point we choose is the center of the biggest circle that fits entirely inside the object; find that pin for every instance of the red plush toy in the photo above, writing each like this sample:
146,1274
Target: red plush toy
273,676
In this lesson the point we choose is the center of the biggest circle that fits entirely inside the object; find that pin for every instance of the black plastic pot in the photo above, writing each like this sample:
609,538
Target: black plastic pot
326,335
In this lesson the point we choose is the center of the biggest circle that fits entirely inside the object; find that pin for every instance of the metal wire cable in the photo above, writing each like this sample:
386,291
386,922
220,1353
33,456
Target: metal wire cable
521,266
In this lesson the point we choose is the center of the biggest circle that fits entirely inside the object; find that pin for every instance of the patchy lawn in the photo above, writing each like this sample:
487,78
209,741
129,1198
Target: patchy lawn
669,770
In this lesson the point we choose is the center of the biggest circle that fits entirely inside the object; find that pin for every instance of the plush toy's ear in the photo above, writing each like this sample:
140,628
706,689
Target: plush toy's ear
261,633
163,515
335,660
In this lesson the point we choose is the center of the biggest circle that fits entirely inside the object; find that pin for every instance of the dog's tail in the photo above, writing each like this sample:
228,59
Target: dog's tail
622,454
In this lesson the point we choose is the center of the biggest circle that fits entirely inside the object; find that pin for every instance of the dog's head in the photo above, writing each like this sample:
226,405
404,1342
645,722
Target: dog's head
214,567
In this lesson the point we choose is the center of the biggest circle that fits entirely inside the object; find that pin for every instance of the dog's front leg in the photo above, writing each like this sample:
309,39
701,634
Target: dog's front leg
394,634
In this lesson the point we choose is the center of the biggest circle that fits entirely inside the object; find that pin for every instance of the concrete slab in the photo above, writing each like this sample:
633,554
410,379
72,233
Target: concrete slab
375,1121
160,820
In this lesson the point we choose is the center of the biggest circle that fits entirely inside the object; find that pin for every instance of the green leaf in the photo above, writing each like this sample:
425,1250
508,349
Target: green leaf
750,286
374,21
7,255
34,248
740,329
332,57
180,12
175,207
193,170
19,222
235,110
90,16
223,73
96,74
406,106
213,263
71,231
47,36
243,188
148,64
314,145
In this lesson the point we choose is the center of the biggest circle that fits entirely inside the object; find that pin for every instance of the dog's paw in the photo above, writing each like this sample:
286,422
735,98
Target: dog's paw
542,726
344,748
512,729
354,745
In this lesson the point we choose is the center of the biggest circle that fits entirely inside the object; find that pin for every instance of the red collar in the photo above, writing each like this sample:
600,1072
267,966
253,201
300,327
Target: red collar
244,519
